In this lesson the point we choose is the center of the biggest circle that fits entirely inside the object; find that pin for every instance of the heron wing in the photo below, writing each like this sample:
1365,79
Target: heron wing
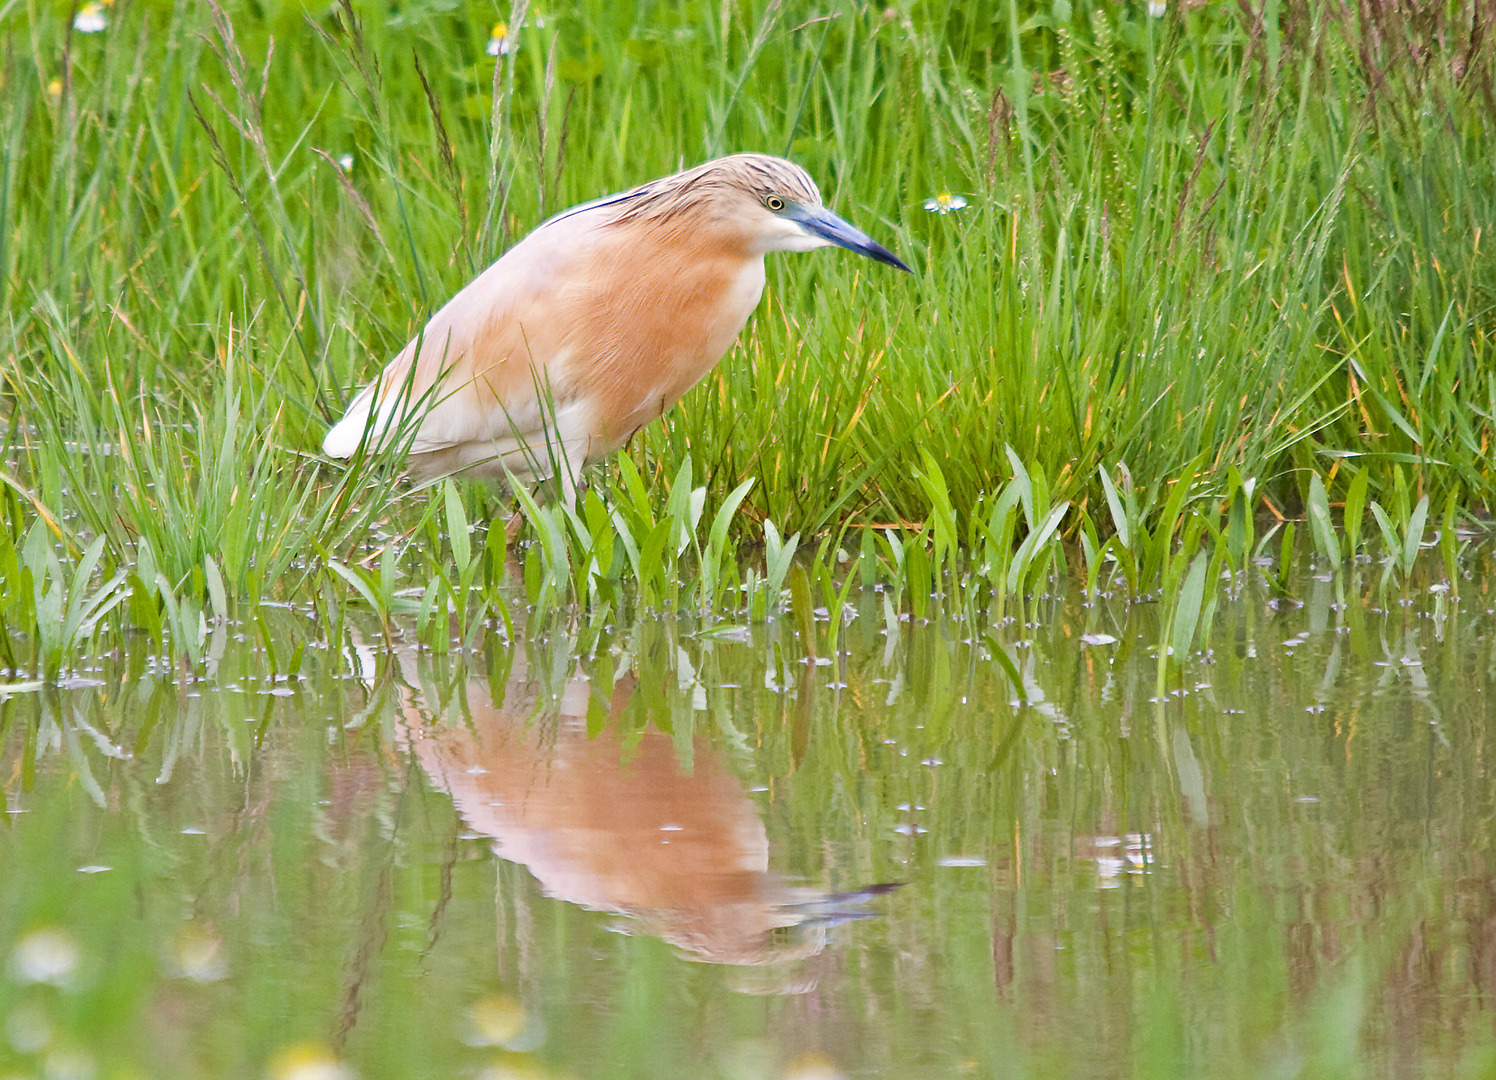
477,372
580,334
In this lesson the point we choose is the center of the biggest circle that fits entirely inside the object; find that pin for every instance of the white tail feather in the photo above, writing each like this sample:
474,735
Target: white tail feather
343,439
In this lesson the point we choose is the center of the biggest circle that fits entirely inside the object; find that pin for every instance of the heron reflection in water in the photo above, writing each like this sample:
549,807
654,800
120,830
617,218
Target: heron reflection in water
615,822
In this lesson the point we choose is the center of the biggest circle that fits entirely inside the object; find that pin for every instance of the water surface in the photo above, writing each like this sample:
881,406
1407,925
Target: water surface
706,855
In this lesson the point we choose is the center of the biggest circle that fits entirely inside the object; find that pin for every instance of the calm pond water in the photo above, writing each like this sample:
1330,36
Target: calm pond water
676,855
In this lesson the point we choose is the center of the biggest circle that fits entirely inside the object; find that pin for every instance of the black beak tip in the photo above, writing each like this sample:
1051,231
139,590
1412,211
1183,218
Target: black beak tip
883,255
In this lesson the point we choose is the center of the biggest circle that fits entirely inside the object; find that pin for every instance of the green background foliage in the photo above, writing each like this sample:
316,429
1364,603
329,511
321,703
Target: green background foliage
1218,265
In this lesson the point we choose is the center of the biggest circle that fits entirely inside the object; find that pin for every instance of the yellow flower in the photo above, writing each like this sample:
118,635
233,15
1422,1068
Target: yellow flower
308,1061
496,1020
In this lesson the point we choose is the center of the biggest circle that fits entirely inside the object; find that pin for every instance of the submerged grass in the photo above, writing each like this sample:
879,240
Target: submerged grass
1217,293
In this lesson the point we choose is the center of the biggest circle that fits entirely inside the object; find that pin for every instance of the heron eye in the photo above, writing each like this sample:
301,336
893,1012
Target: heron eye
774,203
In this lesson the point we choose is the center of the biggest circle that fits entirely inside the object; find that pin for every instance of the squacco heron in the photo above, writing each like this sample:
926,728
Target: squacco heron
593,325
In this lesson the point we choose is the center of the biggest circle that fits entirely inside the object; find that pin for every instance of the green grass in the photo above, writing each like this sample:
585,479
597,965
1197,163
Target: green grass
1219,272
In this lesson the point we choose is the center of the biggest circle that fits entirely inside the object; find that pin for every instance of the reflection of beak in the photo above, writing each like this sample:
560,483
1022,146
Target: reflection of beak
836,908
818,221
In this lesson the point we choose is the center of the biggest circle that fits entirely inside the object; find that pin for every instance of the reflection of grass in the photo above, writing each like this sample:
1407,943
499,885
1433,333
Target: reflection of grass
1209,272
277,852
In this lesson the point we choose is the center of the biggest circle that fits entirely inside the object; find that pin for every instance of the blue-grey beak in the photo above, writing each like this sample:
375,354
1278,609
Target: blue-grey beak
819,221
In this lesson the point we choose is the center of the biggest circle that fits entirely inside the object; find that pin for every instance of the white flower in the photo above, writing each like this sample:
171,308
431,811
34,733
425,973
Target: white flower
1157,9
944,203
500,41
46,956
90,19
345,162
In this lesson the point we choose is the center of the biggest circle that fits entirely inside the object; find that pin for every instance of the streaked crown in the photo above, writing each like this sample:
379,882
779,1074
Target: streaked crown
762,176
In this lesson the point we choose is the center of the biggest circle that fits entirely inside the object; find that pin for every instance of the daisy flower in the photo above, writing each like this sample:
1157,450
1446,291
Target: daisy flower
500,41
944,203
90,18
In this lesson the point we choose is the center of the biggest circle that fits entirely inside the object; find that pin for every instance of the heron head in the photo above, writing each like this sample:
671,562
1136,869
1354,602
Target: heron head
769,202
787,212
